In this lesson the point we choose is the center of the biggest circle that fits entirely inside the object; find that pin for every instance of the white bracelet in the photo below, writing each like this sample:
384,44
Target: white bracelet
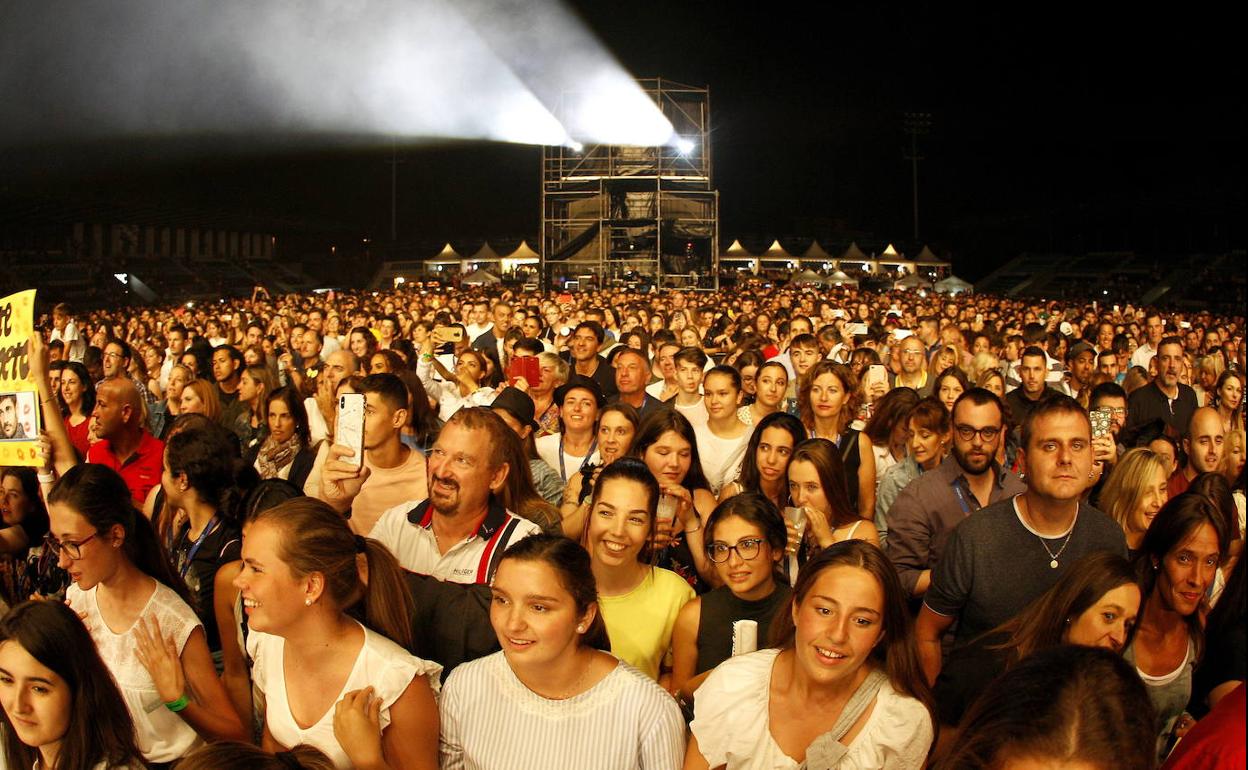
46,478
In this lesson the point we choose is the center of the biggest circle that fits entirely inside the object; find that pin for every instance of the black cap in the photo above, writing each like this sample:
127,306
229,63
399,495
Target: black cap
580,381
516,403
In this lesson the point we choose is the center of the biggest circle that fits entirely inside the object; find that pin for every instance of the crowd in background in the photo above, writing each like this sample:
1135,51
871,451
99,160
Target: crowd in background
762,527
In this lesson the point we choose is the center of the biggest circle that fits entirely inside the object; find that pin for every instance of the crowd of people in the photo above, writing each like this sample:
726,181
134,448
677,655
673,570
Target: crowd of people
767,528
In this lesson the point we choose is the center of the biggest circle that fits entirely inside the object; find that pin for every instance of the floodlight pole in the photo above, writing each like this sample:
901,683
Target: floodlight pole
916,123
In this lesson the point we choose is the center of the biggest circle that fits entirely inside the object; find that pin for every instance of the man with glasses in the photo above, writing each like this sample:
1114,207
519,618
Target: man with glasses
459,533
913,372
928,508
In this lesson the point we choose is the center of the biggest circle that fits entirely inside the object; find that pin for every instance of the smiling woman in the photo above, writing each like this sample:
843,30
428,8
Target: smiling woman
552,684
845,676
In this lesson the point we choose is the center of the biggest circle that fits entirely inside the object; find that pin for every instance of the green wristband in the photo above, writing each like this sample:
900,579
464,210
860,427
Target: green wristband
177,705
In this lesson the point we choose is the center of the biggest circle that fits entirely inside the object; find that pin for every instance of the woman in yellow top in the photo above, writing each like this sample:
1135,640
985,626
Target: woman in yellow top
639,602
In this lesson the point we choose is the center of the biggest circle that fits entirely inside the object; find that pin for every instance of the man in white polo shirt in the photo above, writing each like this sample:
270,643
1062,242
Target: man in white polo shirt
460,532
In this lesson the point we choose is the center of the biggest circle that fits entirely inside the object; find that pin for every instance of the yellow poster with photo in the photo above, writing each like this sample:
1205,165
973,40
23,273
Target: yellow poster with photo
19,394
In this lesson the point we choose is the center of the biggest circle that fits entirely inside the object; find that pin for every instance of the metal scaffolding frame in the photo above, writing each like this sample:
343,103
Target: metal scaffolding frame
615,215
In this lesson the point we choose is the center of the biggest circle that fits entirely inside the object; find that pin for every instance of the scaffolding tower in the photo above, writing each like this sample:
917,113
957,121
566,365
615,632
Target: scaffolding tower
615,215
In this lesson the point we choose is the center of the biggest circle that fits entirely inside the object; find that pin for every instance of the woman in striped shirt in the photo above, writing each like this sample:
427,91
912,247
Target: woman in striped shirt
553,697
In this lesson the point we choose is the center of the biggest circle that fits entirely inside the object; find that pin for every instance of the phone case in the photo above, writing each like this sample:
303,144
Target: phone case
349,430
1101,421
527,367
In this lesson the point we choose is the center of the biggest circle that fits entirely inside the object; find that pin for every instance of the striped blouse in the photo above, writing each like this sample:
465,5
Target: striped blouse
491,721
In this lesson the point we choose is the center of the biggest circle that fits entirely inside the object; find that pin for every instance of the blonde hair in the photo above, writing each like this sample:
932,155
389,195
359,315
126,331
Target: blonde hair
1127,482
558,364
1235,437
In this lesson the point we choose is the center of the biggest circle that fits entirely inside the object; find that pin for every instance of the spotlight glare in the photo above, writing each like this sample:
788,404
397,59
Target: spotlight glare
684,146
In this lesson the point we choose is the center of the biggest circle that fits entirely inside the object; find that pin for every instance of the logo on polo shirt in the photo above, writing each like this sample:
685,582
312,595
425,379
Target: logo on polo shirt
462,571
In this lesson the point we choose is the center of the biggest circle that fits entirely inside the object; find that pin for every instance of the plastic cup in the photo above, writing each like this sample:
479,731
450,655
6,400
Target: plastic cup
666,510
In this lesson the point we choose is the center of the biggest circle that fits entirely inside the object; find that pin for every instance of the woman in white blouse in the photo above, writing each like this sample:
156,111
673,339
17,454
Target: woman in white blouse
135,606
347,688
553,698
845,683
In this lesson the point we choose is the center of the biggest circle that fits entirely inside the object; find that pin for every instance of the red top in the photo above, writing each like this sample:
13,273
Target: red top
1177,484
78,435
1217,741
141,470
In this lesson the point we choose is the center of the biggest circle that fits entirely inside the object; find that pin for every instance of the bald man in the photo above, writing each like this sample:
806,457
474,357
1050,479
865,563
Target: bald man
125,445
321,408
1203,445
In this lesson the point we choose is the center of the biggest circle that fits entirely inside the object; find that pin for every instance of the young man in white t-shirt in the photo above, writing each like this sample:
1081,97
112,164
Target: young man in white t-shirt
722,439
690,369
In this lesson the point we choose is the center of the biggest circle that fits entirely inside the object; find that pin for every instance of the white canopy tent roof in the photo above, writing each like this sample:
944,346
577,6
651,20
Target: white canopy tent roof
776,251
928,257
448,254
839,278
808,276
816,251
523,251
854,254
911,281
737,250
890,253
954,285
485,254
480,278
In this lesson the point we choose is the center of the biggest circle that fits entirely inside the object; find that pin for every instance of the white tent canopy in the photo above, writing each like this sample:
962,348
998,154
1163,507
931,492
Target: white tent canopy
737,250
954,285
808,276
523,251
485,254
448,254
854,254
927,257
912,281
890,253
479,278
839,278
816,252
776,251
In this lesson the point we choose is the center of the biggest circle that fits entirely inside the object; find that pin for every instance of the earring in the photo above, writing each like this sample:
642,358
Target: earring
307,602
580,629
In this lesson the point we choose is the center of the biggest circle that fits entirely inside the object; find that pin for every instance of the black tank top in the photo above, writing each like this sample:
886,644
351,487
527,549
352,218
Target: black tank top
720,607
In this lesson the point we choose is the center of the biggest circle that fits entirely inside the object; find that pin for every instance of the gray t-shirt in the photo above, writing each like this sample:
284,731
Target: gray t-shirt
994,565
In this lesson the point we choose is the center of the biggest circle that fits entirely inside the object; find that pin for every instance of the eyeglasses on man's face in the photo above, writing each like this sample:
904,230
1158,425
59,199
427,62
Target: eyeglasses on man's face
968,432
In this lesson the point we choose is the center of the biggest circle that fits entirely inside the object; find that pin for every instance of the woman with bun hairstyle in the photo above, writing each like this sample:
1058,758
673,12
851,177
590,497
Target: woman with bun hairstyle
370,703
136,608
62,709
207,481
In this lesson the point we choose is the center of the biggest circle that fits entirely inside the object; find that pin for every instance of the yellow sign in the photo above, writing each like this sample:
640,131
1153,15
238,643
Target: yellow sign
19,393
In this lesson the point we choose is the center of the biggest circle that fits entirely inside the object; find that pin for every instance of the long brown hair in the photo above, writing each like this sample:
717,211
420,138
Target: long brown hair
317,539
849,383
826,458
896,653
1045,621
100,729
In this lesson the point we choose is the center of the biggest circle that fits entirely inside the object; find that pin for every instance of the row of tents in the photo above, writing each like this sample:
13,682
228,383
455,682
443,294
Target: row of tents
816,252
913,281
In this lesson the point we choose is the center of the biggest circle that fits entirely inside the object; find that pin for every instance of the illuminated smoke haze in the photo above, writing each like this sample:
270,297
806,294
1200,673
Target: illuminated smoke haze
502,70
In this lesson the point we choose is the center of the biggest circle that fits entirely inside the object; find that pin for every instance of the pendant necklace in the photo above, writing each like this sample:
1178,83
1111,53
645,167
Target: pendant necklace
1053,557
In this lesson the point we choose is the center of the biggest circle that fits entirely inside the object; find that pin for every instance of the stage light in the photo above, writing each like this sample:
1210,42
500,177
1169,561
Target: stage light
576,146
525,71
684,146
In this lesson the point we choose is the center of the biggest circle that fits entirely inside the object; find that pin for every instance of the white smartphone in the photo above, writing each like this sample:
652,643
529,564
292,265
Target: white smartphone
349,426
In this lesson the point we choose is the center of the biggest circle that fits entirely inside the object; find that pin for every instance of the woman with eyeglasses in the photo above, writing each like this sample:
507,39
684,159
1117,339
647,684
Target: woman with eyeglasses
745,539
136,608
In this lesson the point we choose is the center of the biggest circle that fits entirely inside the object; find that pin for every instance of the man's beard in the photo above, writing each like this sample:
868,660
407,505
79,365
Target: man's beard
966,464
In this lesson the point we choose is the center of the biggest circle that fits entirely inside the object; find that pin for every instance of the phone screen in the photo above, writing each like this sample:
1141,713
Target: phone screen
349,426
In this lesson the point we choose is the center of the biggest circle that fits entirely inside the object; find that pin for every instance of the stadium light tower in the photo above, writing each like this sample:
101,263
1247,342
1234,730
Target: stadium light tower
916,124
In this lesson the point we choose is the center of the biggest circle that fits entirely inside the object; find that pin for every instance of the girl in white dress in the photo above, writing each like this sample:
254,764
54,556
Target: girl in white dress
135,607
845,683
553,698
62,708
346,688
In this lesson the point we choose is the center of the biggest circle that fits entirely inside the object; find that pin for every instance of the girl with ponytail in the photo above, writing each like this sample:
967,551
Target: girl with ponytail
305,580
135,606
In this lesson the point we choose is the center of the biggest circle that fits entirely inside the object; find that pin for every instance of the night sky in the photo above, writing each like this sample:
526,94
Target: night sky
1078,130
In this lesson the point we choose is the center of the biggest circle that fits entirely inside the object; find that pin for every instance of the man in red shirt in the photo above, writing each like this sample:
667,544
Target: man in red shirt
1203,445
125,445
